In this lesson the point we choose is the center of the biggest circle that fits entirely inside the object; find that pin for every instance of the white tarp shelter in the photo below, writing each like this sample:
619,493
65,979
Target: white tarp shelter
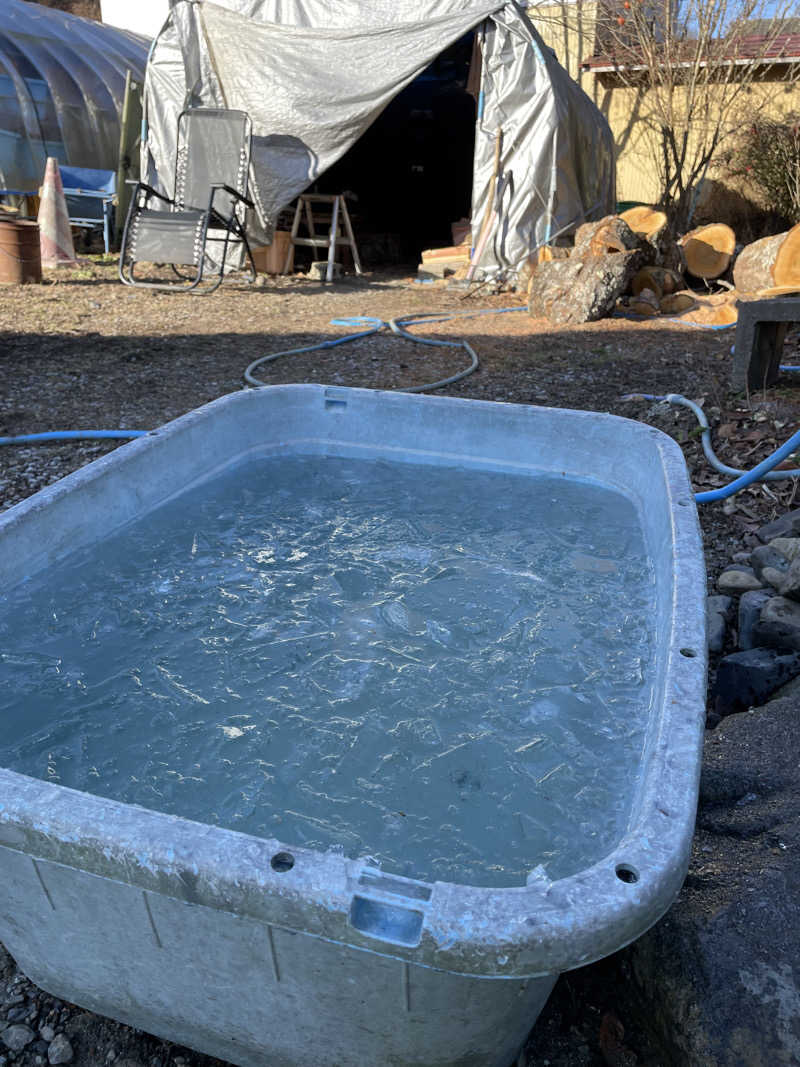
314,74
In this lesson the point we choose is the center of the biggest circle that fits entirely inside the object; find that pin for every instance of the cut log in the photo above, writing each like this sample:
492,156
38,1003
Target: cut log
646,222
550,252
716,309
544,254
779,290
675,303
578,289
659,279
607,235
771,263
708,250
645,303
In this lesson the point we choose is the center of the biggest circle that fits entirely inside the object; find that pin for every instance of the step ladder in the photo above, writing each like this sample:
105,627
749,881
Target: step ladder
339,215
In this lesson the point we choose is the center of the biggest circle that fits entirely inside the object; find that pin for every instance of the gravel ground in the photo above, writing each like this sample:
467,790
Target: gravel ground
83,352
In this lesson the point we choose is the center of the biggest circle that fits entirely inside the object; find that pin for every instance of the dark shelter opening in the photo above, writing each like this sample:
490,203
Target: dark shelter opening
411,171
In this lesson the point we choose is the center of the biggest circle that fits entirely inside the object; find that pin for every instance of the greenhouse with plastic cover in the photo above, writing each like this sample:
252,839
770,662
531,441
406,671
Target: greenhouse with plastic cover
62,85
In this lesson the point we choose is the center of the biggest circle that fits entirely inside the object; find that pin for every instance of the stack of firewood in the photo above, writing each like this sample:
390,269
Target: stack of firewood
628,262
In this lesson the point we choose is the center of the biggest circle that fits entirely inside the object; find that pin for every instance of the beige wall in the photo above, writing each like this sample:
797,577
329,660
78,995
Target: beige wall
569,29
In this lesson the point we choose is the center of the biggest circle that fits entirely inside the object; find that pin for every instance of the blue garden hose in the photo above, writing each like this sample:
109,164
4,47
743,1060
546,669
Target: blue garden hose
374,325
398,328
763,471
758,472
73,435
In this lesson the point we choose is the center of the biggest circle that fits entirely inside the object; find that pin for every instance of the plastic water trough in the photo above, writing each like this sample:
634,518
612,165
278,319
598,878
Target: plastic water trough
258,950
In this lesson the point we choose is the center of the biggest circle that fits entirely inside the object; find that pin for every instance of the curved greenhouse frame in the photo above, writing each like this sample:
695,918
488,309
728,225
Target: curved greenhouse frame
62,85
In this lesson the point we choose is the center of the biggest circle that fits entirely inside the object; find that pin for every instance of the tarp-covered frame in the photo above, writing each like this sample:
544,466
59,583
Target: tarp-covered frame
203,225
313,75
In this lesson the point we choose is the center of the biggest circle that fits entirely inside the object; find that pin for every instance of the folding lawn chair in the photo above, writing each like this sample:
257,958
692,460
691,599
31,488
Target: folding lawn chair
203,226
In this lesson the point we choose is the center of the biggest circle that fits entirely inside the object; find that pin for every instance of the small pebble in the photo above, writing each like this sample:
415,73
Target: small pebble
60,1050
47,1033
17,1037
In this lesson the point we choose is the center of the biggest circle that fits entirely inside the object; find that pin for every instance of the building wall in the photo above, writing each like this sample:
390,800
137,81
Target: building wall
568,27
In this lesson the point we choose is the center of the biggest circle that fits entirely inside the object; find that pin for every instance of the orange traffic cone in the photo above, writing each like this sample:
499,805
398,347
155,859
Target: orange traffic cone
55,236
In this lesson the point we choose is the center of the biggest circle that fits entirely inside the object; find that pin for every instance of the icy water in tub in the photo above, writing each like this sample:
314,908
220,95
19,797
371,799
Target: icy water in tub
447,670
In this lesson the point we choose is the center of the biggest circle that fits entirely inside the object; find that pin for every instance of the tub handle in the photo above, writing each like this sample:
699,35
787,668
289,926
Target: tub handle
393,923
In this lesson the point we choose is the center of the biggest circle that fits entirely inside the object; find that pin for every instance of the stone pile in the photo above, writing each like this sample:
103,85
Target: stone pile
758,610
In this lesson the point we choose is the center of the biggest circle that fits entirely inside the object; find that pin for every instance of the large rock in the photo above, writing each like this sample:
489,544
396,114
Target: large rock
568,291
17,1037
737,579
787,526
751,605
717,979
746,679
767,556
789,547
790,585
779,625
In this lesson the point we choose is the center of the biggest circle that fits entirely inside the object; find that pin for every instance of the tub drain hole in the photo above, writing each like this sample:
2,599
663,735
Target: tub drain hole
627,874
282,862
688,652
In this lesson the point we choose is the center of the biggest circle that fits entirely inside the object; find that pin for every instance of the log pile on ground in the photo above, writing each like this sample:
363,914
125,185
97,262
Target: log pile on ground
629,262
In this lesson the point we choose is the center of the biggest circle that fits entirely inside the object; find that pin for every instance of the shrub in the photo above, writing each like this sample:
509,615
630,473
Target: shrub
767,157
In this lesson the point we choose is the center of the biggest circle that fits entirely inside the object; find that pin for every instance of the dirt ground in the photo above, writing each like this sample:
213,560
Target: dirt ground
83,352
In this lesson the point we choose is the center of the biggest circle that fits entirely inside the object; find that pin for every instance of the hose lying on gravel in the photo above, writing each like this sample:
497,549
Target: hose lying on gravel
72,435
762,472
396,325
398,328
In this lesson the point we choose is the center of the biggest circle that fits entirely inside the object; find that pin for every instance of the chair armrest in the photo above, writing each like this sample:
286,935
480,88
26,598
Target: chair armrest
233,192
149,189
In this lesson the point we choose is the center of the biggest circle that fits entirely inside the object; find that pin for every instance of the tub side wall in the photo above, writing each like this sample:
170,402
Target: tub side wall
242,990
